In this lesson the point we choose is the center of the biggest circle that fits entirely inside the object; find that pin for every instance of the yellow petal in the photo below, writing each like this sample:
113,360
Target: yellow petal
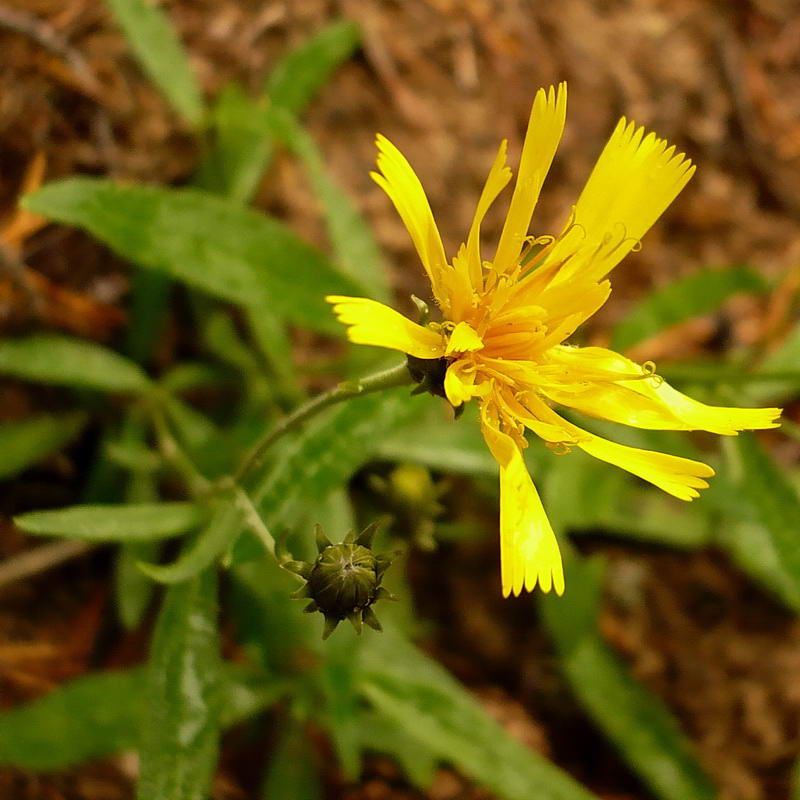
636,177
463,339
545,126
499,176
371,322
680,477
400,182
459,383
642,402
528,547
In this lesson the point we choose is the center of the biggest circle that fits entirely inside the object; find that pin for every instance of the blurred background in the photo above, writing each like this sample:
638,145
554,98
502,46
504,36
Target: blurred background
701,616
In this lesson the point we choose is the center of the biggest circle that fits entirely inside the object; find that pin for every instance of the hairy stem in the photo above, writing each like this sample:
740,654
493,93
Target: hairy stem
388,379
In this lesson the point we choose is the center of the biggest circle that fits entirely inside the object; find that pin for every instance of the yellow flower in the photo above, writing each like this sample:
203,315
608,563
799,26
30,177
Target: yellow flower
506,320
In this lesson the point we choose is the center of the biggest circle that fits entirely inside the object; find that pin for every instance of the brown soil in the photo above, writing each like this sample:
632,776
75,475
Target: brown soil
445,80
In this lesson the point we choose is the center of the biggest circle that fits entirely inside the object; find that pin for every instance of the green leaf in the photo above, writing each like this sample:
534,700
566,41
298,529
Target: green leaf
433,438
209,243
240,147
380,734
114,523
774,503
133,590
153,40
62,361
101,714
750,546
339,680
327,452
180,731
84,719
274,344
583,494
682,299
415,692
292,773
636,721
298,76
226,523
28,441
784,361
194,428
269,623
354,246
242,142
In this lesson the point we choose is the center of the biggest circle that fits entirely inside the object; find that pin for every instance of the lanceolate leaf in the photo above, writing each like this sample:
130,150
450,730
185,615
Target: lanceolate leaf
299,75
218,535
328,451
292,772
181,725
24,443
776,506
416,693
636,721
241,144
382,734
87,718
354,245
101,714
153,40
687,297
784,361
438,441
63,361
114,523
207,242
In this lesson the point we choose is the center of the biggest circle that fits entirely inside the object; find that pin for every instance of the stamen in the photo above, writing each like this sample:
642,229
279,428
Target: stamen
559,448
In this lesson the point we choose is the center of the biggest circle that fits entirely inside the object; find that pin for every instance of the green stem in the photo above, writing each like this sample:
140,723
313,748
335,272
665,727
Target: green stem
173,454
388,379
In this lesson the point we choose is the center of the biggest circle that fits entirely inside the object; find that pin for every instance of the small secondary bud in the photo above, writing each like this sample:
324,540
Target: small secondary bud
344,581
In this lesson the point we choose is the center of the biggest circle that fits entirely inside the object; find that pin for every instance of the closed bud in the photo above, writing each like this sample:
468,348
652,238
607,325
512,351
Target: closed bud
344,580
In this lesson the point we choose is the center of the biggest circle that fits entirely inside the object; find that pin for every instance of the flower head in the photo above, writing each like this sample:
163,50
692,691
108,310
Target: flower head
505,321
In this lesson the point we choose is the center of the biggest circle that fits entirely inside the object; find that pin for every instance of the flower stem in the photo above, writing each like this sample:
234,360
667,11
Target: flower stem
388,379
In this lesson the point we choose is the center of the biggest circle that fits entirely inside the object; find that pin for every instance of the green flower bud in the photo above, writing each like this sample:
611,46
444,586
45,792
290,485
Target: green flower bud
344,581
413,498
343,578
